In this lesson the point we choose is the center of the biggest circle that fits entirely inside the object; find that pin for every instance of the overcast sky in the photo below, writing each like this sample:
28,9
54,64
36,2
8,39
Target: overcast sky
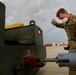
42,11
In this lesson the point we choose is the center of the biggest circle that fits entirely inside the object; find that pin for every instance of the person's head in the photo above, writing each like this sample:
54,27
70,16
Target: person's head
62,13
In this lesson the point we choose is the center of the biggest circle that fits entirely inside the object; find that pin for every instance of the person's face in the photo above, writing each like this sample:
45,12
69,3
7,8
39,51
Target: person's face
62,16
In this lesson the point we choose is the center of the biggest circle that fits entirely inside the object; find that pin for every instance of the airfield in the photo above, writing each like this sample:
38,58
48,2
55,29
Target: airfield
51,68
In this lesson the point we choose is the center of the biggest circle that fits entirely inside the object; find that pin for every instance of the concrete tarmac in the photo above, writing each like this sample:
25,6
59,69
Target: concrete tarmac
51,68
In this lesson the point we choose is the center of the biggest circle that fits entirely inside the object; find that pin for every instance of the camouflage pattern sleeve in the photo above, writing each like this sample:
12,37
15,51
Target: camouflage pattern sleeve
72,20
59,25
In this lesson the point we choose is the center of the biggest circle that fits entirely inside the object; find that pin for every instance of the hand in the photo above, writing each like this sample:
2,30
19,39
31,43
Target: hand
53,21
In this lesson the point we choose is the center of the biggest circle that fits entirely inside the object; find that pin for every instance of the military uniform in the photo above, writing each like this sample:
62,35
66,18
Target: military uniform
70,28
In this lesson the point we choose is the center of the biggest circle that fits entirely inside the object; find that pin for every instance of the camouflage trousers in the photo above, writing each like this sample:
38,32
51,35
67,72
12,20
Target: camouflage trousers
72,45
72,70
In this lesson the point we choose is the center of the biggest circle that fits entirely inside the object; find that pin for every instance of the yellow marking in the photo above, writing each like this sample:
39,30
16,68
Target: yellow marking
14,26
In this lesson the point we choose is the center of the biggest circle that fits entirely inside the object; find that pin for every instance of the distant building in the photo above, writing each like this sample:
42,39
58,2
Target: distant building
63,44
53,44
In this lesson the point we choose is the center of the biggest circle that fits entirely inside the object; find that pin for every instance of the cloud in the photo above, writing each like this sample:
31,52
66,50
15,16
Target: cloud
55,36
42,11
10,19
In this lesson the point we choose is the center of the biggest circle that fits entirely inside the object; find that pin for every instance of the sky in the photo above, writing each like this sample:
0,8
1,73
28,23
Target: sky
42,11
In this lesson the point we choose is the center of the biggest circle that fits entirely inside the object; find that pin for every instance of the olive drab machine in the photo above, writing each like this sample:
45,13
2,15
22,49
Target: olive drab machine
22,51
21,47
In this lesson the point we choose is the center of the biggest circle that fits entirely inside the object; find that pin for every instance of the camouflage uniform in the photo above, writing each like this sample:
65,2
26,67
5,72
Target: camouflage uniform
70,28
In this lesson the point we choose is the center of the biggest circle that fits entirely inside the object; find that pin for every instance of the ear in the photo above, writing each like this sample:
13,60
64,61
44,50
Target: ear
66,12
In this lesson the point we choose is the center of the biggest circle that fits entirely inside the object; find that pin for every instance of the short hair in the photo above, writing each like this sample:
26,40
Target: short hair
61,10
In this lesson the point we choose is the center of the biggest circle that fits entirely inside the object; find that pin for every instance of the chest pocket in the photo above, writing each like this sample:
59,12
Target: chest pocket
71,29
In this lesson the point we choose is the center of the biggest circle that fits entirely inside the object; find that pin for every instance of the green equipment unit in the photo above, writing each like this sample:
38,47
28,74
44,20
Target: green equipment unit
21,48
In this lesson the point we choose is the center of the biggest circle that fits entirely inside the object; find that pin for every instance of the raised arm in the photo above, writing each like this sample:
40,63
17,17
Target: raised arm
59,25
